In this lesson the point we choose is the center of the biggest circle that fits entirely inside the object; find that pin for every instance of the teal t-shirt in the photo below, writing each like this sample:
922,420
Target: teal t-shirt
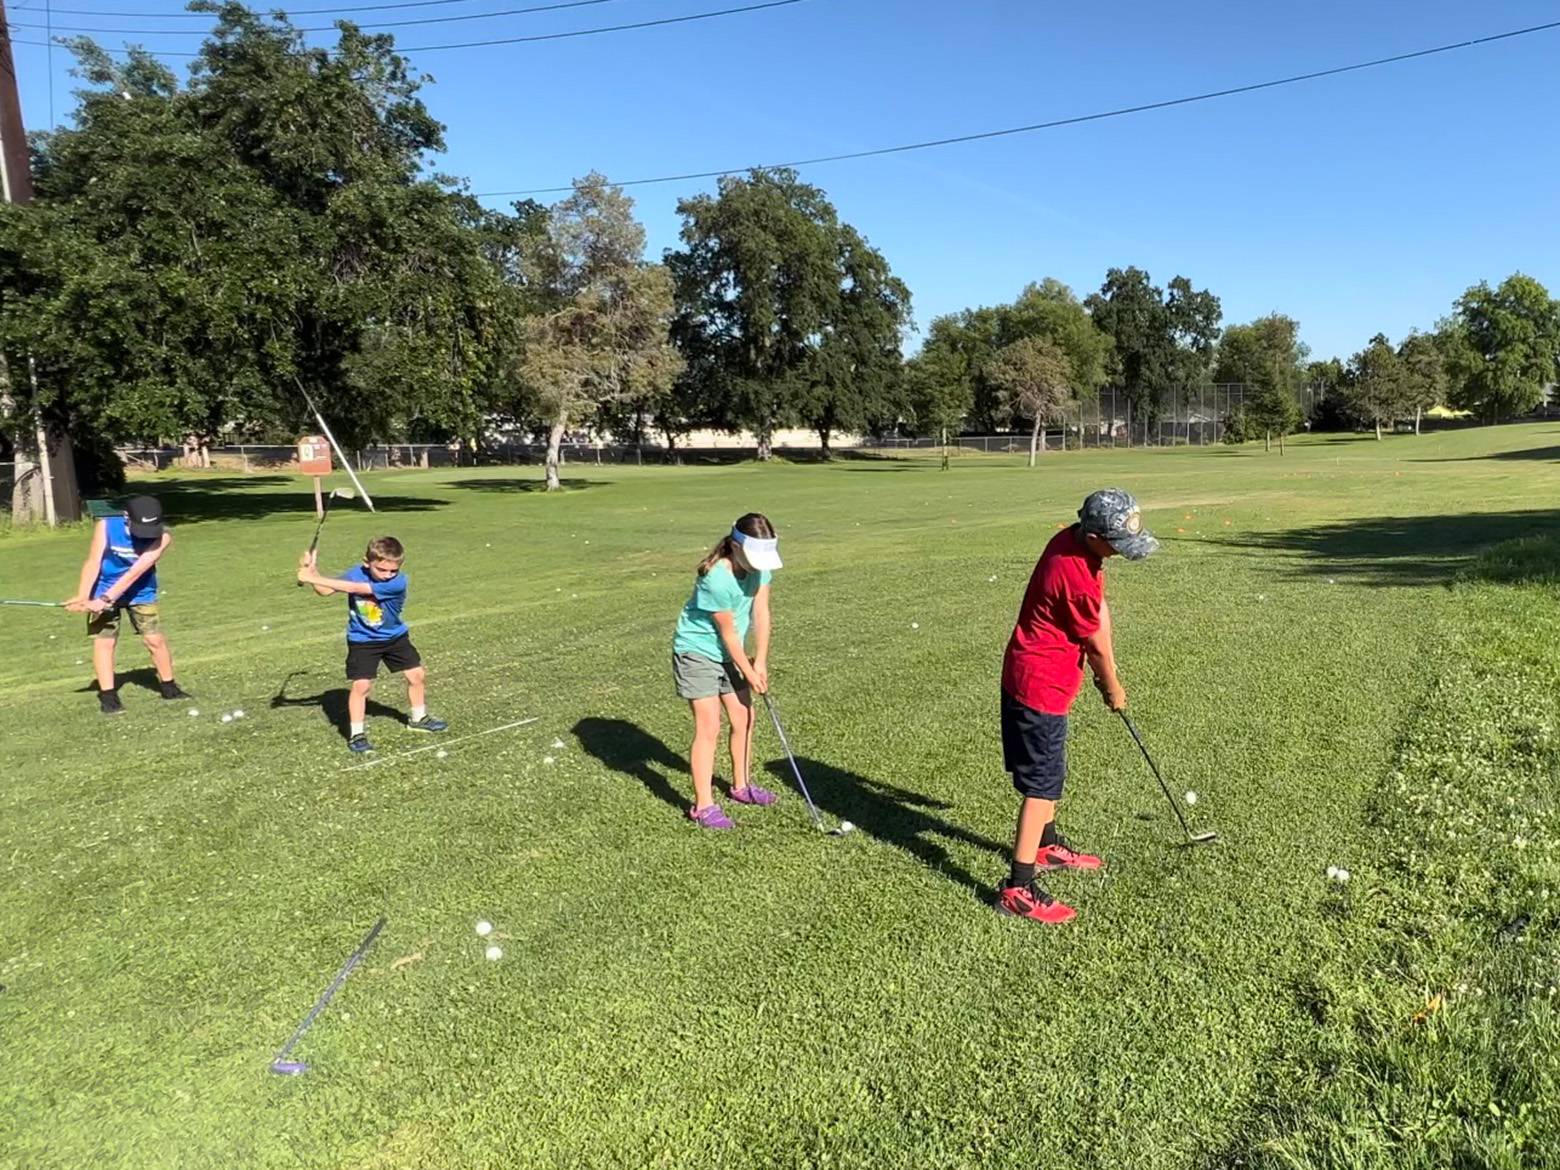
718,590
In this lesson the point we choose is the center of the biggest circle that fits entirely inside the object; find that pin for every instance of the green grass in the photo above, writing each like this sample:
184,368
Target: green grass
178,890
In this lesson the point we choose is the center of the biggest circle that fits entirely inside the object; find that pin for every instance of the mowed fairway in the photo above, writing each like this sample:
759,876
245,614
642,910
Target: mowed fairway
178,890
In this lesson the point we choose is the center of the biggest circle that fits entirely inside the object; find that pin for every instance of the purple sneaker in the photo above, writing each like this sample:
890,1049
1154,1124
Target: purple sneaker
711,818
752,794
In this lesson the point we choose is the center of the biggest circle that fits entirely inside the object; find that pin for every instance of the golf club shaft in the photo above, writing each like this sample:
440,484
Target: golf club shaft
791,756
45,604
1154,768
341,977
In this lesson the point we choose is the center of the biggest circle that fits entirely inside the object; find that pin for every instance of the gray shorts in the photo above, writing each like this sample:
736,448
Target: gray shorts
698,677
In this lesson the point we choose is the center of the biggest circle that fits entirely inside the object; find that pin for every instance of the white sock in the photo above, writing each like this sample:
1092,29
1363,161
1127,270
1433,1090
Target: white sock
359,728
419,713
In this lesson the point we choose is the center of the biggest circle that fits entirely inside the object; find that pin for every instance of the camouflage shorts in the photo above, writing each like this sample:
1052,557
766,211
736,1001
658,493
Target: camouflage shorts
144,619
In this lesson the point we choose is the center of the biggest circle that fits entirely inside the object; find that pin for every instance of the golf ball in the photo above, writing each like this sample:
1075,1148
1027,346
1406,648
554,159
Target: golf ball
915,625
238,714
1191,797
495,953
1343,875
484,927
1332,873
558,743
193,712
227,718
847,827
440,754
264,628
547,759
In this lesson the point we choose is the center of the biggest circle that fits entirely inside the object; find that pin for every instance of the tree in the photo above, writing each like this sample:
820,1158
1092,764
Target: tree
1326,379
757,283
602,334
1035,380
1049,311
856,377
939,390
1424,374
1505,347
1268,358
1162,342
1375,384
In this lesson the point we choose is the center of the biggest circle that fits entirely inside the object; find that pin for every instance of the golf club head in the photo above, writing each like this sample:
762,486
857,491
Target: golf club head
840,829
1208,837
288,1068
343,494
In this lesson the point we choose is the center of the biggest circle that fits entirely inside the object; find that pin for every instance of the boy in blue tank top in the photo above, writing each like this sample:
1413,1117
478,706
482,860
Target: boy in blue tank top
120,576
376,591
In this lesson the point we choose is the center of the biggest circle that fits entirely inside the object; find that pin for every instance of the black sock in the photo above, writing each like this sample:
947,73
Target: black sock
1049,836
112,692
1021,875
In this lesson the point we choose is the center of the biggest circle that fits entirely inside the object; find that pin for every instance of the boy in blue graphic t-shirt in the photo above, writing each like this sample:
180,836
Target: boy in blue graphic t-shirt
120,575
376,592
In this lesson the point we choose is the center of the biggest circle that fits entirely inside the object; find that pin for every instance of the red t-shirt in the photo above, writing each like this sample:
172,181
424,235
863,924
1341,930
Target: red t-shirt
1043,667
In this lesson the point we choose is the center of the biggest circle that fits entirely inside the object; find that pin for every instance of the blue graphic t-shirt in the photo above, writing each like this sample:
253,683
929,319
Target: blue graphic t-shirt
376,618
122,551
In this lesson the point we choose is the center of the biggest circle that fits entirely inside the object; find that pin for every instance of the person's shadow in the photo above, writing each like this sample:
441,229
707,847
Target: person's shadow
333,704
627,748
144,677
901,818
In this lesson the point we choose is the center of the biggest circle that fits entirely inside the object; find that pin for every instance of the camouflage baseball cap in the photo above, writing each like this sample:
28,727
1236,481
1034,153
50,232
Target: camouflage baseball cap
1113,514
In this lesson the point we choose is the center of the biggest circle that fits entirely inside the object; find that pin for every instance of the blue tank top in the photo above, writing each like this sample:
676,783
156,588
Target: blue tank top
122,551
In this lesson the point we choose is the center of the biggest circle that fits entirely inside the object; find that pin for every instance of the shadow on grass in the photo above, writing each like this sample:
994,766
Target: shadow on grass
233,497
1532,454
896,816
333,705
1400,550
516,484
627,748
145,678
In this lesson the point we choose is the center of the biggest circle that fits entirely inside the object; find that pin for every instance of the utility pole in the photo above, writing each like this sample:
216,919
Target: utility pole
49,460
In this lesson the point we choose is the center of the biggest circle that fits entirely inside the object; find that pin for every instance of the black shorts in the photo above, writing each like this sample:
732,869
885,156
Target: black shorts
1034,749
398,654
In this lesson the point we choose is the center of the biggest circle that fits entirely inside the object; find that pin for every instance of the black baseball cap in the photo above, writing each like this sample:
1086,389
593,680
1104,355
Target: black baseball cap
145,515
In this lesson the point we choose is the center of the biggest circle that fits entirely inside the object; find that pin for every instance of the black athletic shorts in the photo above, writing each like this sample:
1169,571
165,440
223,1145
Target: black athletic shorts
1034,749
397,654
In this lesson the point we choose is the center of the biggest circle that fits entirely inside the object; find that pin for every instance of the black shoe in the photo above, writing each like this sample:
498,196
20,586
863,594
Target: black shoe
172,690
109,704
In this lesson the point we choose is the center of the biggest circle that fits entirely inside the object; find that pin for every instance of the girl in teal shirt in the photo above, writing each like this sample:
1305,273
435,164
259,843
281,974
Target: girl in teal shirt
710,664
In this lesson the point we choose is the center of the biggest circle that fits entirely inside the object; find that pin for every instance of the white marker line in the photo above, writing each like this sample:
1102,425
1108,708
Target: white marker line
445,743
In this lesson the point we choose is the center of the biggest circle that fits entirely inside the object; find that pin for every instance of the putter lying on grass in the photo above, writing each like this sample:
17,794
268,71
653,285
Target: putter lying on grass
1192,838
333,494
287,1067
844,826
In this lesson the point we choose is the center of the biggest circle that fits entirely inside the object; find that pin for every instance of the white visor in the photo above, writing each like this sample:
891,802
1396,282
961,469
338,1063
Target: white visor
763,555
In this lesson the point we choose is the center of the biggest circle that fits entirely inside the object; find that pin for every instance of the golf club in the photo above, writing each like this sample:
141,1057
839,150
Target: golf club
281,1065
46,604
844,826
1192,838
333,494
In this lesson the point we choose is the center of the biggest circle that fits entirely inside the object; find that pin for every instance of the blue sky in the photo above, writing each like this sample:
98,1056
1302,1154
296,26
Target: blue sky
1356,204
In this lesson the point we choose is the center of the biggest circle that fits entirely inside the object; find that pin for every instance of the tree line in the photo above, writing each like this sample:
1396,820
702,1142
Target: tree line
203,257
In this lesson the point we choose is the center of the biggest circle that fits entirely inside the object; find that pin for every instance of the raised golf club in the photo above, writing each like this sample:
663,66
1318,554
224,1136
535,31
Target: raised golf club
281,1065
1204,838
43,604
844,826
333,494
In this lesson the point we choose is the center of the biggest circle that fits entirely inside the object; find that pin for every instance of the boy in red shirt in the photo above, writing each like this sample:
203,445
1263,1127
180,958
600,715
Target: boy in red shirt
1063,623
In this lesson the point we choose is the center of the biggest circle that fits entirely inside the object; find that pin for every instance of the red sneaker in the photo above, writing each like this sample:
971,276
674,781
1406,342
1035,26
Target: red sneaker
1060,855
1032,902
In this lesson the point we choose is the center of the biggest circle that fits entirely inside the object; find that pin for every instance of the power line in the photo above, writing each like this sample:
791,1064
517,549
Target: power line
201,32
584,32
313,11
1074,121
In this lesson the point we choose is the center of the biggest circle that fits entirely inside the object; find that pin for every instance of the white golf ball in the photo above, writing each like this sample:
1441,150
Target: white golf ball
193,712
1332,873
915,625
495,953
558,743
264,628
847,827
1191,797
1343,875
547,759
238,714
440,754
484,927
227,718
51,637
